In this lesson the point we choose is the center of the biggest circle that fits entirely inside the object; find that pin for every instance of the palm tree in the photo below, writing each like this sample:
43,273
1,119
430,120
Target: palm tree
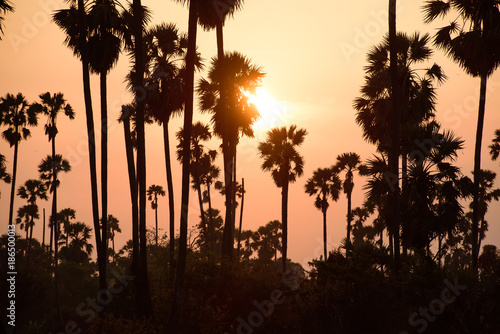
106,30
473,44
31,190
282,159
48,169
64,216
16,114
266,241
326,183
74,22
415,104
495,146
188,120
230,118
5,7
113,228
165,47
153,192
79,249
348,162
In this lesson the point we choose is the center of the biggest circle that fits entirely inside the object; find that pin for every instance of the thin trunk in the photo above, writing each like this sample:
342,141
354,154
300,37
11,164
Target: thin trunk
404,178
440,240
284,218
156,220
170,188
477,173
56,228
90,132
176,309
43,231
325,252
210,217
349,220
51,237
104,176
481,235
147,308
233,199
395,133
227,235
135,269
241,216
29,242
13,187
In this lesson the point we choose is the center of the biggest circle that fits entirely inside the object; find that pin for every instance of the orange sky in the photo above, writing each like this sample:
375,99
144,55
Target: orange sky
313,54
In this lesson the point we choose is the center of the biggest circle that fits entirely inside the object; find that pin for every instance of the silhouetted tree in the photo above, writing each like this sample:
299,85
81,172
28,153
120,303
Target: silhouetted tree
282,159
326,183
471,40
230,118
5,7
4,176
495,146
16,114
153,192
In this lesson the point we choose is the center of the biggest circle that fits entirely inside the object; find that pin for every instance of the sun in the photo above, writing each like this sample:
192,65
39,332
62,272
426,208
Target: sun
272,112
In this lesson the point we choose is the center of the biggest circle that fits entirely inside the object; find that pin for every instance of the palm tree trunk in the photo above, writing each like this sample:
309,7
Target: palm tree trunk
90,132
404,178
395,133
241,216
210,217
170,187
233,199
135,209
156,220
176,309
227,235
104,174
481,235
29,242
477,172
325,252
51,237
13,186
284,218
349,220
43,231
147,308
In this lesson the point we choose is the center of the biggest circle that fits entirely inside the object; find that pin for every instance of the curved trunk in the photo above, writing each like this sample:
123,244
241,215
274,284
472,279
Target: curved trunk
170,188
104,176
188,120
284,218
13,187
395,132
90,132
477,173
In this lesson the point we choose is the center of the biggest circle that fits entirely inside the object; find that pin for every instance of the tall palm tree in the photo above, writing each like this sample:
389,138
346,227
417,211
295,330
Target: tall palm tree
326,183
282,159
48,169
153,192
495,146
16,114
188,120
5,7
165,48
415,104
31,191
74,23
230,118
348,162
471,40
106,30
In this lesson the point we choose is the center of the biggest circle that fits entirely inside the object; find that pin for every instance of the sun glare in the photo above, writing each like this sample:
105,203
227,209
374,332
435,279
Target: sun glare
272,112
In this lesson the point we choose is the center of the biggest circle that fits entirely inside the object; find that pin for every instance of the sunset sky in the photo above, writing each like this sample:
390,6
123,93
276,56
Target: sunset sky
313,54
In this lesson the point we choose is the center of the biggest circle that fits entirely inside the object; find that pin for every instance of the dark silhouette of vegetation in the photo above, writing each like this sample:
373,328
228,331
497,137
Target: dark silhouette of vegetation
153,192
